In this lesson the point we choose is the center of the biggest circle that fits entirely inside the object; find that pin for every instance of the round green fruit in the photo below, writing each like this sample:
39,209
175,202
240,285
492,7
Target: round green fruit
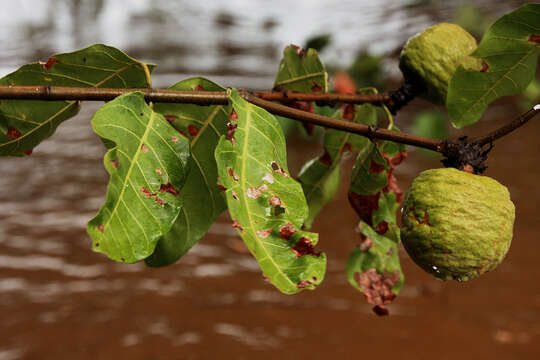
457,225
432,56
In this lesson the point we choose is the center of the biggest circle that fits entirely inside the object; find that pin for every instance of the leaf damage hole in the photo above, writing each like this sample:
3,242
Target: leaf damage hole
304,247
48,65
377,288
264,233
234,194
236,225
232,174
286,231
168,187
277,169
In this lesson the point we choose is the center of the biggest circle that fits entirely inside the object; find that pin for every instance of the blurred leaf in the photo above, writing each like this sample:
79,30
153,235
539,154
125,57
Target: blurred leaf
267,206
202,201
320,177
531,95
431,124
509,50
147,169
367,70
471,18
25,123
319,42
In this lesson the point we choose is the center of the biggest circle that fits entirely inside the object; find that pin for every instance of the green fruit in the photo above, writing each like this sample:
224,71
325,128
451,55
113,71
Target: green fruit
432,56
457,225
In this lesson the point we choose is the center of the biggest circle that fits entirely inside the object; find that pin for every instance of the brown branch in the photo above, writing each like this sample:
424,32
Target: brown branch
508,128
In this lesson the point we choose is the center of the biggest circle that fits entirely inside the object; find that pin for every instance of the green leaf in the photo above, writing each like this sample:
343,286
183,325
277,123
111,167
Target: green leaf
509,49
301,71
147,168
201,199
25,123
320,177
380,253
431,124
267,206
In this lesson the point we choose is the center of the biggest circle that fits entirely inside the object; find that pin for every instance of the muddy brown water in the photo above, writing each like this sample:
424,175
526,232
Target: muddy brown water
59,300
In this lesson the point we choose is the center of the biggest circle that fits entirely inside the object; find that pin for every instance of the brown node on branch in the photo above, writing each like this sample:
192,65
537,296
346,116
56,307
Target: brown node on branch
466,155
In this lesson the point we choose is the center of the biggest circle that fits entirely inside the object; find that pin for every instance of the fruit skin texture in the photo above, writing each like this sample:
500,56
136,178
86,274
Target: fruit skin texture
432,56
457,225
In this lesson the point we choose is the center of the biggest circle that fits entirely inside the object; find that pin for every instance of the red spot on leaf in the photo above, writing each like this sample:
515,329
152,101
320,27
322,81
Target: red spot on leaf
275,201
286,231
221,188
233,116
364,205
48,65
147,192
174,139
485,66
347,147
13,133
377,288
231,128
115,163
366,243
28,152
392,186
253,193
302,284
264,233
299,50
159,172
198,88
237,225
100,227
347,111
375,167
171,118
160,202
381,228
304,247
534,38
168,188
181,132
193,130
232,174
144,148
325,159
316,87
396,159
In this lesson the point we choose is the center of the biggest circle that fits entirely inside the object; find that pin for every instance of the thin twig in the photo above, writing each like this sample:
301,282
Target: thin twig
508,128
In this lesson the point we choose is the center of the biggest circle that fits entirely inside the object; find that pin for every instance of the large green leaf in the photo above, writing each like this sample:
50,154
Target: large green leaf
320,177
147,169
25,123
373,267
509,50
201,199
301,71
267,206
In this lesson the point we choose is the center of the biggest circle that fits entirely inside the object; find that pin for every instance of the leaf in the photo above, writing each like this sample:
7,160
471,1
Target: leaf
147,169
509,50
373,267
301,71
431,124
321,176
201,198
25,123
375,270
267,206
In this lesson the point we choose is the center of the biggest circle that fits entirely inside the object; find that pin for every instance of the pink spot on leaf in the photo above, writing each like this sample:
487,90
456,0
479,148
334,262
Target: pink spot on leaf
286,231
253,193
325,159
302,284
160,202
144,148
275,201
264,233
100,227
174,139
268,178
347,111
376,287
159,172
147,192
237,225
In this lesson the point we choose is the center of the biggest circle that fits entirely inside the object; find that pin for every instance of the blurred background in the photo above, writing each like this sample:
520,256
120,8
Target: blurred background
58,300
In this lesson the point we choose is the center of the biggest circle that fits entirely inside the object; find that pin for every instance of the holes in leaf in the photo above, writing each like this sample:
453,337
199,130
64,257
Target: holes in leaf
169,188
263,234
304,247
392,186
277,169
253,193
234,194
231,128
232,174
286,231
220,187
